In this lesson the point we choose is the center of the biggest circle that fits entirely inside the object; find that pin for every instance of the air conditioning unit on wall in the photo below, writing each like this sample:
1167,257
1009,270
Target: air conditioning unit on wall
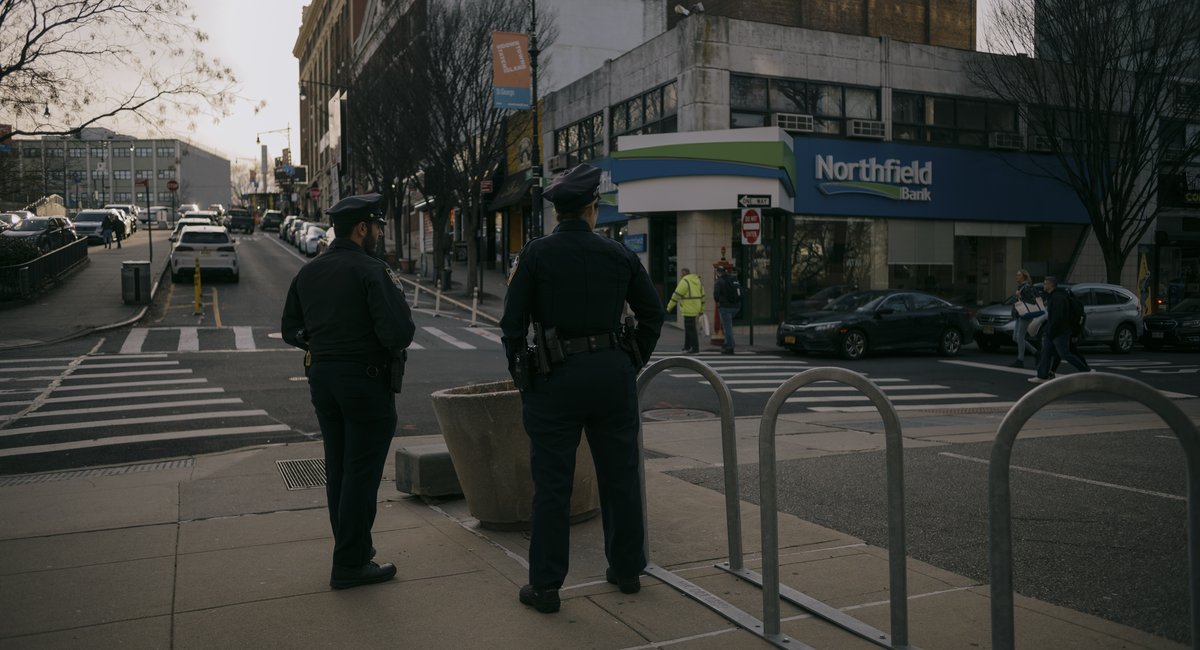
1041,143
559,162
1001,140
793,122
867,129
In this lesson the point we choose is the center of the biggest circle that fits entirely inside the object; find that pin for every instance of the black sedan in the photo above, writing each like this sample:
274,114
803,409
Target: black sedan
47,233
881,319
1179,326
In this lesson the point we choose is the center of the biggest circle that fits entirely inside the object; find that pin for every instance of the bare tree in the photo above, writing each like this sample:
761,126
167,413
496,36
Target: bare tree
63,64
447,112
1109,92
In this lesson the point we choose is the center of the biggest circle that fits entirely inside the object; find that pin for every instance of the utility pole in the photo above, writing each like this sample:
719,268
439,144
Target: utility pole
536,162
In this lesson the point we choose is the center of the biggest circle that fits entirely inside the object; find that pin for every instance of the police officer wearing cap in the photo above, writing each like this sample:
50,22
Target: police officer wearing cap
346,309
576,283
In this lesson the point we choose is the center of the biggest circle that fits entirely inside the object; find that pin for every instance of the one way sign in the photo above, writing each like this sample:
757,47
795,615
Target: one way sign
754,200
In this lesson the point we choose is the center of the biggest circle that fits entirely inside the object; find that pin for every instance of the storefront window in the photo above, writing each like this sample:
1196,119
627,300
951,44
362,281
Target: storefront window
827,255
748,92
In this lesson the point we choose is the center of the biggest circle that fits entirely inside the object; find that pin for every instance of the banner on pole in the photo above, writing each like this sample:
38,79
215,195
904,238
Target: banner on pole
510,70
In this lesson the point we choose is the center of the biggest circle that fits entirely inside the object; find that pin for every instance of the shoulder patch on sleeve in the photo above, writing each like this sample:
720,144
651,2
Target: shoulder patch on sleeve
395,278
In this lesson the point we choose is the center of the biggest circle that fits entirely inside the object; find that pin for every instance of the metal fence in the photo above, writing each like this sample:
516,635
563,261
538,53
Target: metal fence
24,280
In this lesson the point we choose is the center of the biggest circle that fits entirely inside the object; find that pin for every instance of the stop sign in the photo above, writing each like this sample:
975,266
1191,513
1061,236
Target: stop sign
172,185
314,192
751,226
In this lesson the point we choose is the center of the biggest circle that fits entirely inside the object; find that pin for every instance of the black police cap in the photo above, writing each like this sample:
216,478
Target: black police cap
574,189
361,207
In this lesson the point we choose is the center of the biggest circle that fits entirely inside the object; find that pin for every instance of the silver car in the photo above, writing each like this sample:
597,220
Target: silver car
1114,318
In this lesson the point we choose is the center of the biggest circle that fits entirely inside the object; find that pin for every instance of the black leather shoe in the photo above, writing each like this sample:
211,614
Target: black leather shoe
543,600
626,585
367,574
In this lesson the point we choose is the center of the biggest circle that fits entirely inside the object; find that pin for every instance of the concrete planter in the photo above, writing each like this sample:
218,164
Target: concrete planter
490,449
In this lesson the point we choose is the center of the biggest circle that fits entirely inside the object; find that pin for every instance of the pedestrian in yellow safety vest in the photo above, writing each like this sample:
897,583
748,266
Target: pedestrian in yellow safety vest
689,294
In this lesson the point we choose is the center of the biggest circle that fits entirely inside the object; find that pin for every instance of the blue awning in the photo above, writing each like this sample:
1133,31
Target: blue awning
609,214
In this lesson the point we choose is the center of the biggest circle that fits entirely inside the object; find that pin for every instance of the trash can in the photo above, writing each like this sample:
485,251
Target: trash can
135,282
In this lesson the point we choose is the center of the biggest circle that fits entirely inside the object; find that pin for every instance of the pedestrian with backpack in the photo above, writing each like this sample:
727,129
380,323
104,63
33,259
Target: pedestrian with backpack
1076,316
1057,332
727,291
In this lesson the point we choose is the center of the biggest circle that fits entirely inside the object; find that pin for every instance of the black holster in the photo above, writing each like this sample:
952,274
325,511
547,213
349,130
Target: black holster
397,368
627,339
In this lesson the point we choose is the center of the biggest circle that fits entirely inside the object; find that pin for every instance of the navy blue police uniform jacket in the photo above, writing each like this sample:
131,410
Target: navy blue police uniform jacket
578,282
346,305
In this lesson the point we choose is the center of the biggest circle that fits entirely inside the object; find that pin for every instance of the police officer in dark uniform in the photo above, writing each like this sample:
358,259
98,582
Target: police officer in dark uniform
575,284
346,309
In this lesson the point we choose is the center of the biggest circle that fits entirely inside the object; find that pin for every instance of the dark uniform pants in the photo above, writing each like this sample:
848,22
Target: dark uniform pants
594,392
357,414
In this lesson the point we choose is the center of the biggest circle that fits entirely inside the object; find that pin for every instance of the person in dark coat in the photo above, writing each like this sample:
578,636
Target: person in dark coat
118,229
575,284
1056,333
347,310
728,302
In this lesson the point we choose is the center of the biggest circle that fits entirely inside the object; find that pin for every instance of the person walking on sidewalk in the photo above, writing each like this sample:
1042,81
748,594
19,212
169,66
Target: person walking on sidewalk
106,229
346,309
1025,295
1057,332
118,229
689,295
573,285
728,295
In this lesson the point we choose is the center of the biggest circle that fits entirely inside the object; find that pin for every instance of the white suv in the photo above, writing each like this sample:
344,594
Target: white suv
211,245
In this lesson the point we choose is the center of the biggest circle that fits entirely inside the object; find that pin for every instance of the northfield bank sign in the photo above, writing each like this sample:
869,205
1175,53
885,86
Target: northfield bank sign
890,179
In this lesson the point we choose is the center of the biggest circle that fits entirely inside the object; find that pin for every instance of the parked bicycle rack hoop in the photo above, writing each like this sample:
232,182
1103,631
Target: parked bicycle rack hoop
1000,498
769,627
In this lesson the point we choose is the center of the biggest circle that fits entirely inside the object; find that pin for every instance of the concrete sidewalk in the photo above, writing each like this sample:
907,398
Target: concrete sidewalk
216,552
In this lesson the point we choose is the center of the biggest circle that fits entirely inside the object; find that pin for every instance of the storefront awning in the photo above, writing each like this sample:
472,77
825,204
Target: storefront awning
511,192
610,214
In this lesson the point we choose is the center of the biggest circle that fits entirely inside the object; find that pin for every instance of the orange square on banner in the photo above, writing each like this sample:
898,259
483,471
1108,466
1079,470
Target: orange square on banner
510,60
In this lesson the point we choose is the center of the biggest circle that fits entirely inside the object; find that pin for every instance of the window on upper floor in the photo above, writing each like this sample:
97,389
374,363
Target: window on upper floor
122,174
949,120
654,111
77,152
98,152
581,141
120,151
752,101
166,152
32,152
145,173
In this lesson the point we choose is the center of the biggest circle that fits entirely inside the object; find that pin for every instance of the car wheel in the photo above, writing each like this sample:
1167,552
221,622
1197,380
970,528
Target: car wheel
951,342
854,345
1122,342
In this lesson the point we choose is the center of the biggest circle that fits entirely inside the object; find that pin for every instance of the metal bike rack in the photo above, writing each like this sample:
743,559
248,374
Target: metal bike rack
733,508
999,496
769,512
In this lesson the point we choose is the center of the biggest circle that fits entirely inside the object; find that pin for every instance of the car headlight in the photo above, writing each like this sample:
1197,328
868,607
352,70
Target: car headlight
825,327
1190,323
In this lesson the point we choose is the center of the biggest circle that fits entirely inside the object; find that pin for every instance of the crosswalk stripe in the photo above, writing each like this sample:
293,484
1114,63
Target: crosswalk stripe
189,339
135,407
128,384
36,378
41,360
449,339
150,437
243,338
132,373
132,364
912,407
120,422
134,341
32,368
856,398
111,396
487,334
842,388
415,346
102,356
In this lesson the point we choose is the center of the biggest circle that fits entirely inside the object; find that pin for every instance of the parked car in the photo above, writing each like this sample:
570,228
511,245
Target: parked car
203,214
47,233
271,220
130,212
241,220
186,208
294,229
90,224
1177,327
10,219
1113,317
819,298
159,214
193,222
287,223
311,238
879,319
211,245
302,233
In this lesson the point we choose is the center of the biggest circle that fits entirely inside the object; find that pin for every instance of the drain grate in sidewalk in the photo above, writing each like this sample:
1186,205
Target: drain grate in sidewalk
302,474
29,479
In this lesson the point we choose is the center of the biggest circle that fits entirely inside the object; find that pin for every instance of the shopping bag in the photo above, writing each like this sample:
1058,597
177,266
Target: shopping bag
1035,326
704,327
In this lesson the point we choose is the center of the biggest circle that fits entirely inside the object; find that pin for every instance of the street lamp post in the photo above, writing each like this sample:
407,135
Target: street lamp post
536,162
